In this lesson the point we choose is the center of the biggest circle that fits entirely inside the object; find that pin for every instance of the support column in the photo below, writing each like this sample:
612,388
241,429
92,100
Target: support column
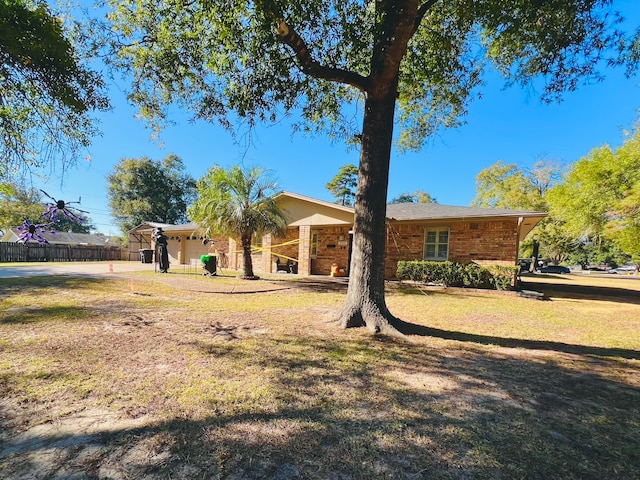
181,251
267,264
516,276
304,250
233,254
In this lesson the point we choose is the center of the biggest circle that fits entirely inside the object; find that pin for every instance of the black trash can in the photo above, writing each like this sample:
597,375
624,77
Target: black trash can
146,255
209,264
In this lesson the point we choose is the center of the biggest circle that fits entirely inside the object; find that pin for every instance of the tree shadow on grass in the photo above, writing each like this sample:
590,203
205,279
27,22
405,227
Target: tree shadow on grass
36,287
589,292
373,408
419,330
552,290
46,281
36,314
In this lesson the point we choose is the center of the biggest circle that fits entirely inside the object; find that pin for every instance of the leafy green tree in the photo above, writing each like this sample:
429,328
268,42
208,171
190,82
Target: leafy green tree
624,224
238,202
143,190
419,196
415,64
64,224
19,203
555,244
509,186
423,197
405,197
343,185
597,253
46,95
599,195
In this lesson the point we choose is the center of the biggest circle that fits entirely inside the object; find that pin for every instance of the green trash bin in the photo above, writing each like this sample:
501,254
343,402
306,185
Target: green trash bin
146,255
209,264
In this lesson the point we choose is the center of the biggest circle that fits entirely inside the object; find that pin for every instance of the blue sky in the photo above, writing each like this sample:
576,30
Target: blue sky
512,125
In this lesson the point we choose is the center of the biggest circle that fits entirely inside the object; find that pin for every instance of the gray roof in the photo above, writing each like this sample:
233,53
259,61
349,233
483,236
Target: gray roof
68,238
435,211
405,212
167,227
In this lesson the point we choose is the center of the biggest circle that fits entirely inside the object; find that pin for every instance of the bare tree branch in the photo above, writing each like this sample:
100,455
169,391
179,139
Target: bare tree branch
314,69
422,11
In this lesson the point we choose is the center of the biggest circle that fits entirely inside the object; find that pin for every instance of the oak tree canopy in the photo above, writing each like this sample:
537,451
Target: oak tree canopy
406,64
47,95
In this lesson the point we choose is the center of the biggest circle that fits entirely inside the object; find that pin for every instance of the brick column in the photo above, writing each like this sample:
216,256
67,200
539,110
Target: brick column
233,256
266,254
304,250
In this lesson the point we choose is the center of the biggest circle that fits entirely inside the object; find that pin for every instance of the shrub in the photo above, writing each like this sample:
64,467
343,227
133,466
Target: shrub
453,274
502,277
409,270
476,276
442,273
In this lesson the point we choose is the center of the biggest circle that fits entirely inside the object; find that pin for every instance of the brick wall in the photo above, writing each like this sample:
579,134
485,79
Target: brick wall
285,251
485,243
331,250
404,242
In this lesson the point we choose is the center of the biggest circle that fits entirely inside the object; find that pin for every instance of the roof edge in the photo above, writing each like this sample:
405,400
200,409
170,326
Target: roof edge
297,196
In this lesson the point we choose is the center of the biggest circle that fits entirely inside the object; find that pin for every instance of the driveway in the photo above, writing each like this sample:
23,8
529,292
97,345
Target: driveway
73,268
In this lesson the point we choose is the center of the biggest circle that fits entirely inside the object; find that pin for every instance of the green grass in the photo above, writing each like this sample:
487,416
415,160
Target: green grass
263,385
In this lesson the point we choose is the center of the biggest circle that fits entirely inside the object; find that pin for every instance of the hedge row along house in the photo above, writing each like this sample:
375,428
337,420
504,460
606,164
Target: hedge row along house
319,234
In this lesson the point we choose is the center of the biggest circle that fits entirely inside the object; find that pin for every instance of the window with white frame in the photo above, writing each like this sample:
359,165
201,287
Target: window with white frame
436,244
314,244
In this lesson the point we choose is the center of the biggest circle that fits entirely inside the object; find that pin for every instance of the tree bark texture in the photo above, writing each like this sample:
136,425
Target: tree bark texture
365,303
247,260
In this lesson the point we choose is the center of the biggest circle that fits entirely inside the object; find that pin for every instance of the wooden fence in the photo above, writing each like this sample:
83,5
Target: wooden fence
21,252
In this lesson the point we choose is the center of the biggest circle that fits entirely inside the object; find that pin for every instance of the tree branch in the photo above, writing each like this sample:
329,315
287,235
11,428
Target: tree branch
422,11
314,69
395,29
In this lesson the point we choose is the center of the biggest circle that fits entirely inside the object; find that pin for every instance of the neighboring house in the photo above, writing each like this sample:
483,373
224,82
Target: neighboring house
62,238
62,246
319,236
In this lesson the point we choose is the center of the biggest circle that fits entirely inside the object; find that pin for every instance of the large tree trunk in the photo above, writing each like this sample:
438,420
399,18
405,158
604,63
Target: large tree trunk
365,304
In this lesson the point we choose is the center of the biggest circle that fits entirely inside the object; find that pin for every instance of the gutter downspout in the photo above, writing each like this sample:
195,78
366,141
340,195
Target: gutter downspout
516,277
520,222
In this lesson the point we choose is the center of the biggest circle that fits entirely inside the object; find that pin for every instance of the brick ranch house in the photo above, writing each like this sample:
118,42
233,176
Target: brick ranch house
319,234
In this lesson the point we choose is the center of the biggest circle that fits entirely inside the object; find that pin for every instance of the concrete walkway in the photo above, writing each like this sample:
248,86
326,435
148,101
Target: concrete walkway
73,268
195,282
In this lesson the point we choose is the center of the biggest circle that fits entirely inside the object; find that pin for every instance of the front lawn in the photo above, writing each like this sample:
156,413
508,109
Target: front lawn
158,377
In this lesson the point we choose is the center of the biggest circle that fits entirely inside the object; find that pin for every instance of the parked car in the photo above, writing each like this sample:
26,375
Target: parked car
525,264
554,269
624,270
596,268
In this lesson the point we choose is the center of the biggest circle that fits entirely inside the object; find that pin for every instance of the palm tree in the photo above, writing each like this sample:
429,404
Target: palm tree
238,202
